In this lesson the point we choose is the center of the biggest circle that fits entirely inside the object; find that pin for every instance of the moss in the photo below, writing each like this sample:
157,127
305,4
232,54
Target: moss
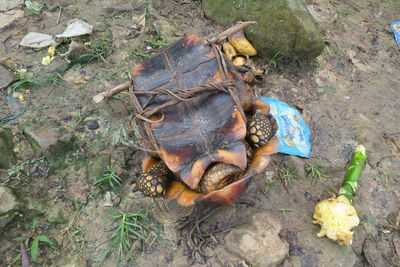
7,157
282,25
95,167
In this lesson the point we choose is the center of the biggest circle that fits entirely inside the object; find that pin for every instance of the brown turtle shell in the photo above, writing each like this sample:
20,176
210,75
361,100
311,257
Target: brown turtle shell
193,134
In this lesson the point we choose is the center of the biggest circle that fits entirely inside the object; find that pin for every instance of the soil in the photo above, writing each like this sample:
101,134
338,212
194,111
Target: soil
348,95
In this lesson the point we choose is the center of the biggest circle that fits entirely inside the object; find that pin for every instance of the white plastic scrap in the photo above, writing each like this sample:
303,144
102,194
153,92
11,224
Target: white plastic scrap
76,27
38,40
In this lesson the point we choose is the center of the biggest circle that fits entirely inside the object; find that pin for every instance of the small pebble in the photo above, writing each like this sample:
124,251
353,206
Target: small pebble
92,124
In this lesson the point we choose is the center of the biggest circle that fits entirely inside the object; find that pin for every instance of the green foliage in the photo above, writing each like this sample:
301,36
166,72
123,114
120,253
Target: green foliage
99,49
137,53
273,62
156,43
268,185
130,228
287,176
24,80
109,178
34,248
315,172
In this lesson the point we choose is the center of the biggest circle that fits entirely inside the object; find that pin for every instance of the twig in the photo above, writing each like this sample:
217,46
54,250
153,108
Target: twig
109,93
394,227
234,29
25,256
59,15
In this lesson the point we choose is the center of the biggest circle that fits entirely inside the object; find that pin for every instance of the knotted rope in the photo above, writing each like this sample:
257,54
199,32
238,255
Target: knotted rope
178,95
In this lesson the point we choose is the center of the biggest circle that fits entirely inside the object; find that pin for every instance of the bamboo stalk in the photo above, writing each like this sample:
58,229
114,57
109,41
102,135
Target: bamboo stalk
353,173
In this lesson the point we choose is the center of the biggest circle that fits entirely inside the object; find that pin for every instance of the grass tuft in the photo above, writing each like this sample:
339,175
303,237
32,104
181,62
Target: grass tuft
109,178
273,62
130,228
315,172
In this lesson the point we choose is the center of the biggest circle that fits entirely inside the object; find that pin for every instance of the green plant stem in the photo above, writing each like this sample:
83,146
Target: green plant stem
353,174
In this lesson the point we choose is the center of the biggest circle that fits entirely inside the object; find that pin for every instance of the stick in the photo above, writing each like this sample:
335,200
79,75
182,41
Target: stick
59,15
232,30
109,93
125,86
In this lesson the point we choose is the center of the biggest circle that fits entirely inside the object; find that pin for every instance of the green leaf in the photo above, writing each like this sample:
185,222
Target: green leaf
35,249
47,240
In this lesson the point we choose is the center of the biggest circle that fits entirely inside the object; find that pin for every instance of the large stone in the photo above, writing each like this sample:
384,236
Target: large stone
51,141
322,251
7,157
9,17
6,77
8,201
258,241
284,26
6,5
8,205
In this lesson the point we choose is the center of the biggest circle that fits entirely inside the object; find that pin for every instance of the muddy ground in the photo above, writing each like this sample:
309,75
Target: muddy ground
348,95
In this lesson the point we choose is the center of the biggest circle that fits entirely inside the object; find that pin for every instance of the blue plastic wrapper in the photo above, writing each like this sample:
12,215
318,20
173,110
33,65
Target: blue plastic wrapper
396,31
293,132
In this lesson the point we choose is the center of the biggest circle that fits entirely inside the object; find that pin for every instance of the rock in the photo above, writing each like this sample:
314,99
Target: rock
58,65
5,245
7,157
9,17
52,141
91,124
8,201
76,50
323,252
258,242
283,26
6,77
35,207
8,205
58,215
6,5
374,255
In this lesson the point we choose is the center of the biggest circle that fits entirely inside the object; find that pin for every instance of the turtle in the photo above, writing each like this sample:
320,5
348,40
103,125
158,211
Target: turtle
202,148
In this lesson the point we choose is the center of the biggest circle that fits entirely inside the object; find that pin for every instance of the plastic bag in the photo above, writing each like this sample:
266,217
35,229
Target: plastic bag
396,31
293,132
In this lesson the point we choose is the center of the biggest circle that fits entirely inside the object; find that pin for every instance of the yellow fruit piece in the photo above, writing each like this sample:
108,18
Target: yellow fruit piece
46,60
19,96
336,217
51,51
229,50
242,45
239,61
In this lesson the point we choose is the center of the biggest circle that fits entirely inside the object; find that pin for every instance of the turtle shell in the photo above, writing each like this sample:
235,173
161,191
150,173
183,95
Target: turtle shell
196,133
